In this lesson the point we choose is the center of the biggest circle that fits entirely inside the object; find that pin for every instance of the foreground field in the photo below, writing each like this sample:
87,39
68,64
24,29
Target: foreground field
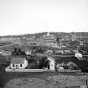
42,80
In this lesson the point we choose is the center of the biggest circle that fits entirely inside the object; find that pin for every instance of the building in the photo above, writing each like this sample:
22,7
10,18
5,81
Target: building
78,55
18,63
80,36
51,63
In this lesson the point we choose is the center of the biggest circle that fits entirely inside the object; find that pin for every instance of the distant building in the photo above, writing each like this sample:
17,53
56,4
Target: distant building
47,39
81,42
81,36
78,55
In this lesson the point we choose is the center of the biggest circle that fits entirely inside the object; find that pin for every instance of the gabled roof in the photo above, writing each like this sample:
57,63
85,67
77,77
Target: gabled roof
18,60
3,59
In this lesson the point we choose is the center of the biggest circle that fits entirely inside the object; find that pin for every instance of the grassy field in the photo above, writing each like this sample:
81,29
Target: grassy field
41,80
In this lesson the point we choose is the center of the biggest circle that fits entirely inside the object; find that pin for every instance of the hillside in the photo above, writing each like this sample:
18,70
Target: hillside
57,40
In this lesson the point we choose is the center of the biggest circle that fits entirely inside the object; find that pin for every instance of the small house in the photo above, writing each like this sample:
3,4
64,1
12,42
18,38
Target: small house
51,63
18,63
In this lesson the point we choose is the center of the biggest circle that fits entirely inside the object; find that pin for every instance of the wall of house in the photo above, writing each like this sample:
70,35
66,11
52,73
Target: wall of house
20,65
51,63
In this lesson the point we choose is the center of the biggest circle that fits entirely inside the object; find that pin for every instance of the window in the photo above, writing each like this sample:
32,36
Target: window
20,65
17,66
13,65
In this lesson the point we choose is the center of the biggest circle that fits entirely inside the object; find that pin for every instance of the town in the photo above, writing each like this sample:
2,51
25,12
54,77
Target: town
48,53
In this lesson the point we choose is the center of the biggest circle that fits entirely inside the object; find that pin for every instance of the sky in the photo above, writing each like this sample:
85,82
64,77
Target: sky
34,16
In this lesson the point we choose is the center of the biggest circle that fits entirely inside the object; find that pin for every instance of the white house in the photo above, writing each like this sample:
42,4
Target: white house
51,63
18,63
